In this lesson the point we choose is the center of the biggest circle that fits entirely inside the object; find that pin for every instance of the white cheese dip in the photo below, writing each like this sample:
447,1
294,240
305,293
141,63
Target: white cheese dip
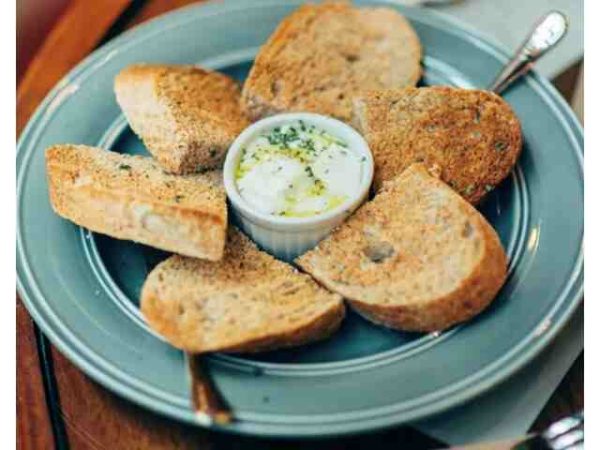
298,170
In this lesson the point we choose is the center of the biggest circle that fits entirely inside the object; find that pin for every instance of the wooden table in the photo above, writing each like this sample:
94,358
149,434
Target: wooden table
57,405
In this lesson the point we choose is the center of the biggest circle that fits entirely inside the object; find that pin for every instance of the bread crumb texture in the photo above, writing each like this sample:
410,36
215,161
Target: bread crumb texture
187,116
247,302
323,54
415,258
131,197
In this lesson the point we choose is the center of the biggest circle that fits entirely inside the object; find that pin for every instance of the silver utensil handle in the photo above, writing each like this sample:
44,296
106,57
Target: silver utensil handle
546,33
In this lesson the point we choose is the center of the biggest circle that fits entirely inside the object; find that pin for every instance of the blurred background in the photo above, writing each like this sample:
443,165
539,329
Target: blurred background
35,18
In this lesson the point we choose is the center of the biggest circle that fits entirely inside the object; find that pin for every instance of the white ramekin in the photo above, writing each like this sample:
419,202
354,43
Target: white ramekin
288,237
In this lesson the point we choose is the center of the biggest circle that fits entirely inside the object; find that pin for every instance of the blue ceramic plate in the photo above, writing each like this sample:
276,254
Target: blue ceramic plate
82,289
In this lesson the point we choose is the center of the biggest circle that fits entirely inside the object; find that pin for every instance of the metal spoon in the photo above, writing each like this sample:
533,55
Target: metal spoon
546,33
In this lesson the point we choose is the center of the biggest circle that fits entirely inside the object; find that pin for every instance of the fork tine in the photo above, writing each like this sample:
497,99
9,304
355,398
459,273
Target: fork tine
578,446
563,426
568,441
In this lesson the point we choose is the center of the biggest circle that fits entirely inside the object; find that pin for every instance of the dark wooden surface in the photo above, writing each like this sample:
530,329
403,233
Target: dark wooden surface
34,430
59,407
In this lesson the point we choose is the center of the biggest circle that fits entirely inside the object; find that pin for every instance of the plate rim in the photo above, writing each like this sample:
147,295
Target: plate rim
573,288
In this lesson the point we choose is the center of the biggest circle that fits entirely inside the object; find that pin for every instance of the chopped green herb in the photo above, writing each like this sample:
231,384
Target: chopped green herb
309,171
178,198
500,146
469,189
308,144
318,188
124,167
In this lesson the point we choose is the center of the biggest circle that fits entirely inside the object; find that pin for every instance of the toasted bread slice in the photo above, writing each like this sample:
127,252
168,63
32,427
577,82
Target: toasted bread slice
186,116
474,136
130,197
247,302
417,257
321,55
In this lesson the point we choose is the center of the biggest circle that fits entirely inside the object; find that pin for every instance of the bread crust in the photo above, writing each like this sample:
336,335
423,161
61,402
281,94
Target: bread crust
247,302
187,116
473,135
323,54
130,197
441,266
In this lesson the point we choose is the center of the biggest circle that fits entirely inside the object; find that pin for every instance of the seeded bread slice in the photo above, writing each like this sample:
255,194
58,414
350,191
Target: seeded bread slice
186,116
247,302
130,197
417,257
323,54
473,135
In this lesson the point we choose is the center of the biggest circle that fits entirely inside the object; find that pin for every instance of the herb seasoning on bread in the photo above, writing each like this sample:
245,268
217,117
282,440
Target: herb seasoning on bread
186,116
130,197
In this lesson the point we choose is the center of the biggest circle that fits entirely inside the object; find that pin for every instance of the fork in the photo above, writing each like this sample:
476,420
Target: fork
566,434
546,33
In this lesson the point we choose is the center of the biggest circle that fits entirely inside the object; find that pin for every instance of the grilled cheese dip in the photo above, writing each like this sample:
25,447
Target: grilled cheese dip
298,170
